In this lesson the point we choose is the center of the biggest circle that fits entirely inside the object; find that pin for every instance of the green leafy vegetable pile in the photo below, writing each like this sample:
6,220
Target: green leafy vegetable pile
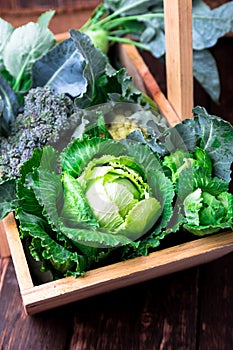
100,200
207,204
73,67
72,75
97,195
88,190
45,115
19,49
143,20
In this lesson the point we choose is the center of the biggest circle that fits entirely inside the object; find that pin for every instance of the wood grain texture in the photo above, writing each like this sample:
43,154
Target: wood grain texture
63,21
190,310
4,262
17,252
33,5
216,312
50,295
179,68
4,247
139,317
49,330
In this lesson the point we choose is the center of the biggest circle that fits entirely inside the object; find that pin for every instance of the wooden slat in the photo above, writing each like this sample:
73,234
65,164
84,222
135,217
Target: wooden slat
4,247
127,273
179,74
4,262
17,252
111,277
62,36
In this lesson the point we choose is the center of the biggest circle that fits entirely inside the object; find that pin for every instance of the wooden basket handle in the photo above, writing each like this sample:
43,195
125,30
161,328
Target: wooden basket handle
179,60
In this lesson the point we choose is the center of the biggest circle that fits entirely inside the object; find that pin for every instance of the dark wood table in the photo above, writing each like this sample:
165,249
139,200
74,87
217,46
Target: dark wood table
189,310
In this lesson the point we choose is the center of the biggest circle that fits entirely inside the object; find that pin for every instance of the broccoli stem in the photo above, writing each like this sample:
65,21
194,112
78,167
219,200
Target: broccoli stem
127,41
109,22
118,21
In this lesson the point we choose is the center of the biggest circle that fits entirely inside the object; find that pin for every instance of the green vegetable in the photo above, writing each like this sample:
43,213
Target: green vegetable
204,198
101,200
107,195
143,21
44,117
117,194
99,38
209,132
207,214
21,47
197,156
8,108
79,69
6,32
123,120
73,68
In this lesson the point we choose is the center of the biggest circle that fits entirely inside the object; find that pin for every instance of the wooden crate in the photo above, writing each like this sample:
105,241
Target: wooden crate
104,279
175,107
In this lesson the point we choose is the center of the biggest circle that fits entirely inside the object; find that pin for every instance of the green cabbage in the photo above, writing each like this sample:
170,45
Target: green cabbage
100,200
205,199
206,213
97,197
116,186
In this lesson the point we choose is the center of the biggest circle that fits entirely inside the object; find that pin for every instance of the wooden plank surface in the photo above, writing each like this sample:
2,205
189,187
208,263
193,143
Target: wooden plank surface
188,310
215,302
20,332
110,277
179,71
17,252
4,247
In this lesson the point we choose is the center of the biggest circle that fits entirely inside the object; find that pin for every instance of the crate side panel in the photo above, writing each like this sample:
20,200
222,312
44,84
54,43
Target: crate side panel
4,246
127,273
17,253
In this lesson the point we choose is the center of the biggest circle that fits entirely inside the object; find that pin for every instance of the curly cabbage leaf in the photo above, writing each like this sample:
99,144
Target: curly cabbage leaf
209,132
113,184
204,198
97,196
9,200
207,214
43,248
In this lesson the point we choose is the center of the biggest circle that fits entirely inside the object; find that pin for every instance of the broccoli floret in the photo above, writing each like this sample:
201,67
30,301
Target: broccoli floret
45,116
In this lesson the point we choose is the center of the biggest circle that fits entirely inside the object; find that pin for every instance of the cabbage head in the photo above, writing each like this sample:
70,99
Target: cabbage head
205,199
97,198
112,189
207,213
